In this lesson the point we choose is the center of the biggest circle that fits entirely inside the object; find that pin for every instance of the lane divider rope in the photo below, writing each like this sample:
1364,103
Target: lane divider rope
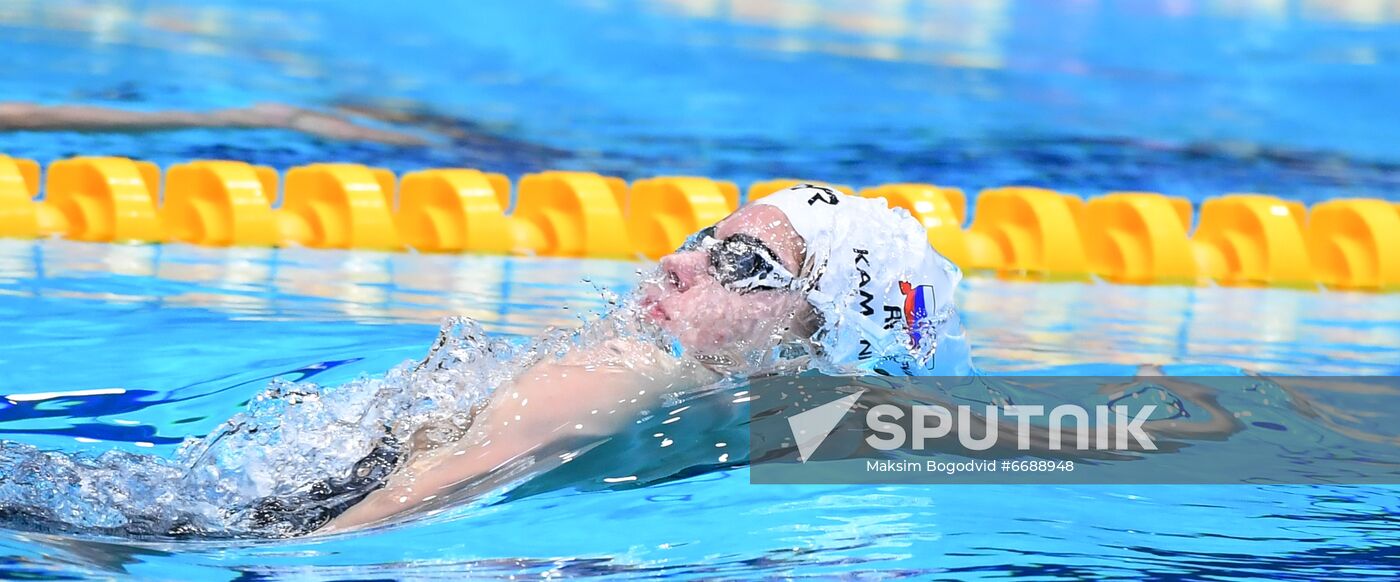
1016,231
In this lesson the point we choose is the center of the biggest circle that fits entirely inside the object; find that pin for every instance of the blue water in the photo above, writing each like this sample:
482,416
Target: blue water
187,335
1190,98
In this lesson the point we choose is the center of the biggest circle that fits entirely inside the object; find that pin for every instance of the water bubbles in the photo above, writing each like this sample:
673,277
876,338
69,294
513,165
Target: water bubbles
301,452
282,467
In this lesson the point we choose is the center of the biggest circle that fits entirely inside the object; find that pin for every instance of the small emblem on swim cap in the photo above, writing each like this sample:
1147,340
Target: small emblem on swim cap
824,194
919,303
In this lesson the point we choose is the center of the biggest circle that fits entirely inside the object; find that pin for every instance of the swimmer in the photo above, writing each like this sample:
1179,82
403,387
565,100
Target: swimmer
807,279
844,282
33,117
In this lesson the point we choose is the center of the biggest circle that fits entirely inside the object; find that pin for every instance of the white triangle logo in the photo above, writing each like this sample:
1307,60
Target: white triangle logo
810,428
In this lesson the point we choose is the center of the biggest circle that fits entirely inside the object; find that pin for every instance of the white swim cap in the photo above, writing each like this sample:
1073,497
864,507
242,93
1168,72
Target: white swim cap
884,295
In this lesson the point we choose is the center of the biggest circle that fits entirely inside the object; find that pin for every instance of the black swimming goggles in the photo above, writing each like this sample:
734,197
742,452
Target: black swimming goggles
741,262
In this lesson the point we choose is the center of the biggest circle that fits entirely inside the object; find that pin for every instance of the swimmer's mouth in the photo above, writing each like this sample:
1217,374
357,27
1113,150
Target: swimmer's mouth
654,311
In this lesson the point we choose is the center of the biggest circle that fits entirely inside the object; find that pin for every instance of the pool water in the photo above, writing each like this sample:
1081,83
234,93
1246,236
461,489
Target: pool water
140,347
158,344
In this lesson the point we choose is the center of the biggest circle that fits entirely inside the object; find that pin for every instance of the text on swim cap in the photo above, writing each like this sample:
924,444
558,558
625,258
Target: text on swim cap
863,256
824,194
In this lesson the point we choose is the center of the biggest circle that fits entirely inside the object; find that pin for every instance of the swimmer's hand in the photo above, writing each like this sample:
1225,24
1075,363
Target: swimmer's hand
553,409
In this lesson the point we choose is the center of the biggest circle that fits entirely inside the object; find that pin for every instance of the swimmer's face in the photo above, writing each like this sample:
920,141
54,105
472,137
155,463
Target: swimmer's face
721,297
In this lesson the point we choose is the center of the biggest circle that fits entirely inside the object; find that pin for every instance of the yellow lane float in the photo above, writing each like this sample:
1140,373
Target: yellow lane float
1021,231
19,184
665,210
1252,240
104,199
218,203
1139,237
1354,243
571,214
339,206
453,211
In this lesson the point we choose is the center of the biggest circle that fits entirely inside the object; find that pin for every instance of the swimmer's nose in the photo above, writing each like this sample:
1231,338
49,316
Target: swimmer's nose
683,270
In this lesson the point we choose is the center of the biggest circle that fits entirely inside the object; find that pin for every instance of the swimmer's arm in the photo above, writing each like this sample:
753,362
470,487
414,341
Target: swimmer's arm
550,406
440,472
1213,420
